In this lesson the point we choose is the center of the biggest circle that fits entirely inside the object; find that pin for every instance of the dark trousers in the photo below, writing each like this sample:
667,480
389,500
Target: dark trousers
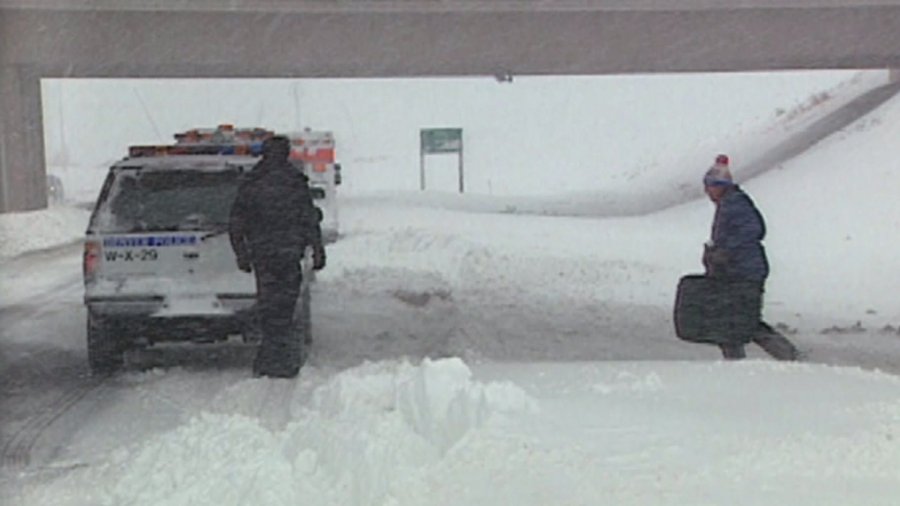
278,282
770,340
746,325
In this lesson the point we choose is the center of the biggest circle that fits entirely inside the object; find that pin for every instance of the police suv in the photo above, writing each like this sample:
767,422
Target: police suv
158,264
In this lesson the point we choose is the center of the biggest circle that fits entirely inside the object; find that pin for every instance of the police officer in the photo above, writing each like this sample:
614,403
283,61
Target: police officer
273,220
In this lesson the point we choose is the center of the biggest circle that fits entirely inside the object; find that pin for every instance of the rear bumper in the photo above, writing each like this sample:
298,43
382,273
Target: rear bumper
150,318
224,306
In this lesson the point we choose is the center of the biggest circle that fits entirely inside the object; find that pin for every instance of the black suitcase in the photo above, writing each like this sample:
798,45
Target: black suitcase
707,311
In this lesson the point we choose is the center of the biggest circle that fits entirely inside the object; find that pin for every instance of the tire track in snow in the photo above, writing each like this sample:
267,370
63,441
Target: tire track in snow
17,451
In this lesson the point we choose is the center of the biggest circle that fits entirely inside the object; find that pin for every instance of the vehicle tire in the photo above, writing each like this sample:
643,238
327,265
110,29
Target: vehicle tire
106,354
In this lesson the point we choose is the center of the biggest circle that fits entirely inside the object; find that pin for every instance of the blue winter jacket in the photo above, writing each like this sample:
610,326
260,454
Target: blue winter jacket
737,231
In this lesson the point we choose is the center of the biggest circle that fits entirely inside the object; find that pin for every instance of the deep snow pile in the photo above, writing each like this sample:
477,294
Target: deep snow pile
438,432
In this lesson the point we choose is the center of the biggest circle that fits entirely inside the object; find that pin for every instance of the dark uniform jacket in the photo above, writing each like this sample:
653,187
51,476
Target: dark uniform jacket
273,214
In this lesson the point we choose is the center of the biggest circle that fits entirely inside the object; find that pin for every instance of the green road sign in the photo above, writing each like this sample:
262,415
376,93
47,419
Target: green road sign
441,140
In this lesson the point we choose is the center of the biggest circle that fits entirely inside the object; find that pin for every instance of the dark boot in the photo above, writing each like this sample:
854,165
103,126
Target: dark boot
775,344
733,351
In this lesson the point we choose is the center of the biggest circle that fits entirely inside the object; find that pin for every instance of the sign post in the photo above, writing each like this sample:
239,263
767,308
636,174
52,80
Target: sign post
437,141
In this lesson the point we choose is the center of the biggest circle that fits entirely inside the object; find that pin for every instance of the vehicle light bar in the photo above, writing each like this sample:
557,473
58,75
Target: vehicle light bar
251,149
223,134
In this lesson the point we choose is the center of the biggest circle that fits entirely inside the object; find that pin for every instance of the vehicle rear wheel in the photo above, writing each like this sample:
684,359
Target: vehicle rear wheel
106,353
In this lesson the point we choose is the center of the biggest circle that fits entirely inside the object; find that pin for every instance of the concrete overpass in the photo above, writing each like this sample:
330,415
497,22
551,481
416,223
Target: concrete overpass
407,38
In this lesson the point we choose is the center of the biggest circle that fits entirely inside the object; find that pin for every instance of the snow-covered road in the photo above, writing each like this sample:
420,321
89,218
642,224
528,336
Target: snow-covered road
416,294
43,357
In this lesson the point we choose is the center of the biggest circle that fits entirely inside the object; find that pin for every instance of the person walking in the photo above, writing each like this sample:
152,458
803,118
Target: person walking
736,258
273,220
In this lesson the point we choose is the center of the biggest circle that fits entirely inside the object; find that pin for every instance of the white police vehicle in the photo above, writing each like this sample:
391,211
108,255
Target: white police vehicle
158,264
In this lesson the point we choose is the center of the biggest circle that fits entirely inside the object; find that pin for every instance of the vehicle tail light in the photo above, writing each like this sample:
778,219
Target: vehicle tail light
91,259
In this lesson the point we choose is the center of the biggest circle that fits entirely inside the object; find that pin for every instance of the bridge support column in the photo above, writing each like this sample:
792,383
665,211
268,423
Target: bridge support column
894,75
23,180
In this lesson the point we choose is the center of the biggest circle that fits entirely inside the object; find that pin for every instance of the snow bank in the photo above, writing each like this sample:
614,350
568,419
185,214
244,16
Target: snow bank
361,437
833,217
34,230
667,177
440,432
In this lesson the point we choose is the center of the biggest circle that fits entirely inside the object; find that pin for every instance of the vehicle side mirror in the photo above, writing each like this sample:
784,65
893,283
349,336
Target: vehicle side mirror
337,174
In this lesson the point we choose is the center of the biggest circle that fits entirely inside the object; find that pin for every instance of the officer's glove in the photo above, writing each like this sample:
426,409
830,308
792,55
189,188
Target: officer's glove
244,264
318,257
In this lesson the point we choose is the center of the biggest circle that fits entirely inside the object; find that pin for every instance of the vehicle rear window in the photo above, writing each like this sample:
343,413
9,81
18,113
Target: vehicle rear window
138,201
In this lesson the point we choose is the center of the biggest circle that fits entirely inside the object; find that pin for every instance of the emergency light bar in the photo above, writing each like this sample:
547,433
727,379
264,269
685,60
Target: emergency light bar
312,147
223,134
252,149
